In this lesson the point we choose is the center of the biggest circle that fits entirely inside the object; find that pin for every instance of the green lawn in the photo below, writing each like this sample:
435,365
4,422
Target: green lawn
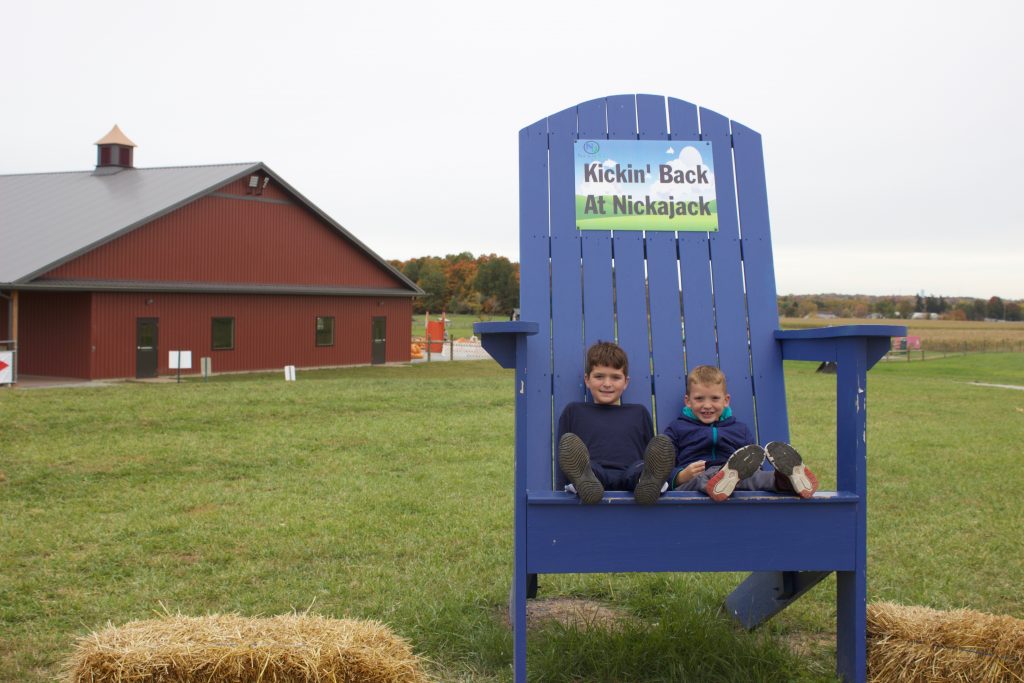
386,493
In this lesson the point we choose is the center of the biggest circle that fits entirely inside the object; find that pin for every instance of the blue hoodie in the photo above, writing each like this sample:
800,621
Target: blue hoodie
713,443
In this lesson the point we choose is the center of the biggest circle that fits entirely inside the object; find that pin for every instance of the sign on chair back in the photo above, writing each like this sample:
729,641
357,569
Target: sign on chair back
644,220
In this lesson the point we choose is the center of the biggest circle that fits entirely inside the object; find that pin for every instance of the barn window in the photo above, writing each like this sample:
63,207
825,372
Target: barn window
223,333
325,331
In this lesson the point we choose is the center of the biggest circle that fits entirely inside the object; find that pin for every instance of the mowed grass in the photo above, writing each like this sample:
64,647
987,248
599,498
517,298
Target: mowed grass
385,493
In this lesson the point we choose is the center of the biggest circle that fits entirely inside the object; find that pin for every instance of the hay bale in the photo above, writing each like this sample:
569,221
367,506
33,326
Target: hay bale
223,648
926,645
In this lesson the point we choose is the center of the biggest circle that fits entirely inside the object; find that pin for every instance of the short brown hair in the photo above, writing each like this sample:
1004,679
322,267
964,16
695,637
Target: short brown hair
608,354
705,374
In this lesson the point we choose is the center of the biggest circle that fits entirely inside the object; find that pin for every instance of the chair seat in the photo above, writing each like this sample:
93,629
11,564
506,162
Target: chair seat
686,531
694,498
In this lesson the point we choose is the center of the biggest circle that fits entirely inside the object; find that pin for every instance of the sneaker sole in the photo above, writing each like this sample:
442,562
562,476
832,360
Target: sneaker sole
658,461
787,461
575,462
740,465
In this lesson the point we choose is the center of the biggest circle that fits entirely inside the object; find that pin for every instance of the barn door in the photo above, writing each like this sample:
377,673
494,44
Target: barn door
146,350
380,338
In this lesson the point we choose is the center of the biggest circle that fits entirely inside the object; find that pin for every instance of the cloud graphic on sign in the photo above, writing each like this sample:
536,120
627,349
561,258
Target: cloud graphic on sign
688,160
605,188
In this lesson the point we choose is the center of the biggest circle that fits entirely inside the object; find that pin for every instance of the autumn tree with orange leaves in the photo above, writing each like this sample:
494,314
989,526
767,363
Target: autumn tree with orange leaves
462,283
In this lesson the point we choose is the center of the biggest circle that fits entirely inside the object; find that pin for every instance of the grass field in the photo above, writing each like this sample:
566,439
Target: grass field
386,493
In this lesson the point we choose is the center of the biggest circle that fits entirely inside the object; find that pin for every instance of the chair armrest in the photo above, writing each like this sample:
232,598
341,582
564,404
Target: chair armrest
821,343
843,331
500,339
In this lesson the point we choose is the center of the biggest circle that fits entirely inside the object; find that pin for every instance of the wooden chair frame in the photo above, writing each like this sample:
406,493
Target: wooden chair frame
641,289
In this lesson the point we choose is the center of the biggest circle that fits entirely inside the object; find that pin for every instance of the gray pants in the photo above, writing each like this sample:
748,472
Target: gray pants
758,481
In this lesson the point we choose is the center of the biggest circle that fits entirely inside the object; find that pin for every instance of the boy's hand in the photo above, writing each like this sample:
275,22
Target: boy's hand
690,471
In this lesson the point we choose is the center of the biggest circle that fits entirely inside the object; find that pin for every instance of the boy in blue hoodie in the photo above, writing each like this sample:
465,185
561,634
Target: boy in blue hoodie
717,454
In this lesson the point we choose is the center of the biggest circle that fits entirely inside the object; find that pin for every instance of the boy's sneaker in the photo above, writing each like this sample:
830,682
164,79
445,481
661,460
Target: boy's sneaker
789,464
659,458
743,463
574,459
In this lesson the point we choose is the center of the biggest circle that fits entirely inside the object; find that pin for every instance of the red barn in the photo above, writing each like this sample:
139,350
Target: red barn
104,272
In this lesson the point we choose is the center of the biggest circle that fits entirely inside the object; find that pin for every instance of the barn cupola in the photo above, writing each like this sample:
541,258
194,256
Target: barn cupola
114,150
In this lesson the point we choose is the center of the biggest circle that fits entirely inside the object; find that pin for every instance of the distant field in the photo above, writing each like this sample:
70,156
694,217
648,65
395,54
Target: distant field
939,335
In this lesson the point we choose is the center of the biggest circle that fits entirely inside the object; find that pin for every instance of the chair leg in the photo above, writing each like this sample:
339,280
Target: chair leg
851,626
517,614
531,593
517,617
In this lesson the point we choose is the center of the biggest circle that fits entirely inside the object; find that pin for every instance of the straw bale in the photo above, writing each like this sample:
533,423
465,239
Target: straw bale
919,644
230,648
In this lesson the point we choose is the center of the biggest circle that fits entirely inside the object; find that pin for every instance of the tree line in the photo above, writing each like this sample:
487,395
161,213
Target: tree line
463,283
489,284
862,305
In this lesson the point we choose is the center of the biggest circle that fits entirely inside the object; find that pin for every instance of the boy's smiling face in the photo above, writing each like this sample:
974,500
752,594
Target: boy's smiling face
707,401
606,384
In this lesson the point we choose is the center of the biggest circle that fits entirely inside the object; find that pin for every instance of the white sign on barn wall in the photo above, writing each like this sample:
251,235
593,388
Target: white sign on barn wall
179,360
6,367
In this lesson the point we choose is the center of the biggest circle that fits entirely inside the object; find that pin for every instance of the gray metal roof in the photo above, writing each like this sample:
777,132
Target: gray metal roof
47,219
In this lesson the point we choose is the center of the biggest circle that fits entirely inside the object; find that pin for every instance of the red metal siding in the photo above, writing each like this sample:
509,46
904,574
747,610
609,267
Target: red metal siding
234,240
270,331
54,334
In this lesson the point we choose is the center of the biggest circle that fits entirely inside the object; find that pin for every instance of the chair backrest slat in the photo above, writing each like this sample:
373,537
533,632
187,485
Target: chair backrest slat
630,287
668,359
598,288
631,314
666,326
566,276
766,359
535,300
727,272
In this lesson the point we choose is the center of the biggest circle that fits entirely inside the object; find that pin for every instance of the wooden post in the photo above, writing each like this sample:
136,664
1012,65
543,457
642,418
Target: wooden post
14,334
14,318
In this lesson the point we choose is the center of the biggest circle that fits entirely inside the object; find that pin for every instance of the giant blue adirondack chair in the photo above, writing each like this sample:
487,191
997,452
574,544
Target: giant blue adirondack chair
641,289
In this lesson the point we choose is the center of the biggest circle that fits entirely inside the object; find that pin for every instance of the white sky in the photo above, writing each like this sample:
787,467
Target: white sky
893,141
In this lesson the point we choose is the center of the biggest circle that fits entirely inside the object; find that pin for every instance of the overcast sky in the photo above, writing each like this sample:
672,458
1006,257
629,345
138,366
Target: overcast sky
894,148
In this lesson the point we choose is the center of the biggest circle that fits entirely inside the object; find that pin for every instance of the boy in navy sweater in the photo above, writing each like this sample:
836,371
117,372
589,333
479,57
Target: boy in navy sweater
717,454
611,445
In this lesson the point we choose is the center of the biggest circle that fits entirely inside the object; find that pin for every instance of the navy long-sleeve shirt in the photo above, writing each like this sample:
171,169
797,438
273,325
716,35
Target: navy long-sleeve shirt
615,435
